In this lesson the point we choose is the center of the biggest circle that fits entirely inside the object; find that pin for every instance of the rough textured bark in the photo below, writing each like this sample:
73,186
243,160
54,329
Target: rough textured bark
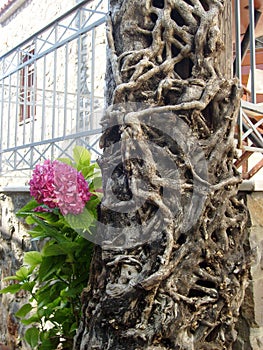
173,273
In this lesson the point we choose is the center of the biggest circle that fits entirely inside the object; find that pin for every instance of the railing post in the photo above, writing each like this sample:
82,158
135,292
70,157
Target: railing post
237,67
1,125
252,49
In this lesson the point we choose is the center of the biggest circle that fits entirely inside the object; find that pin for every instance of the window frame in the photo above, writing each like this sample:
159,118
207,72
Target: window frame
27,86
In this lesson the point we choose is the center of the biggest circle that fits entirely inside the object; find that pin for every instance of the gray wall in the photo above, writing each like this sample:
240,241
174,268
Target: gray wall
252,310
13,242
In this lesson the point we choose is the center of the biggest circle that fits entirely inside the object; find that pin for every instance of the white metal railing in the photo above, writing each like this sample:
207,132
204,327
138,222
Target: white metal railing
250,138
48,98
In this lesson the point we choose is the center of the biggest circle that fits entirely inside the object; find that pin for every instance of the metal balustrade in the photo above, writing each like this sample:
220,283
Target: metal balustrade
52,89
250,122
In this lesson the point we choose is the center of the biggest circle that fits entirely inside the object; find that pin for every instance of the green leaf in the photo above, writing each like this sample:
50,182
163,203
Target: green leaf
24,310
87,171
43,300
97,183
32,336
53,250
81,221
48,344
60,249
33,258
23,273
51,338
81,156
57,288
51,231
99,196
73,327
28,208
62,315
10,278
37,233
71,292
49,217
49,305
29,220
31,320
49,266
28,286
92,205
67,161
13,288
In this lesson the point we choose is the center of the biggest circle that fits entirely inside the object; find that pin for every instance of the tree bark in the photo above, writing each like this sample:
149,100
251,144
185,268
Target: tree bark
172,265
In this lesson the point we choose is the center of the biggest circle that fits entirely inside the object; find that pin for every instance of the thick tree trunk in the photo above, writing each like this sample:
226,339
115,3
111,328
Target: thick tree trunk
171,269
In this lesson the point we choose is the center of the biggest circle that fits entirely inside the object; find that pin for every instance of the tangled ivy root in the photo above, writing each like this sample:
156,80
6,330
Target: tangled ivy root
183,288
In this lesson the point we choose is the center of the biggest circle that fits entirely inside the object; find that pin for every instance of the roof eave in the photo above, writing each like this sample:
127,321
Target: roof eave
9,9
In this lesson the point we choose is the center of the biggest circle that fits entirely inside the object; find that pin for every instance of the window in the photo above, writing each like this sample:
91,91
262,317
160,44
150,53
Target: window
27,86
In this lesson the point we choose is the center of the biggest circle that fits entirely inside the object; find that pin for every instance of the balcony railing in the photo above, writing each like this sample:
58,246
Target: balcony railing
249,69
51,88
49,98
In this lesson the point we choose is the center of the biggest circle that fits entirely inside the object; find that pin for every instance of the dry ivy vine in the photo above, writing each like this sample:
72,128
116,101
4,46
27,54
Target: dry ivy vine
181,289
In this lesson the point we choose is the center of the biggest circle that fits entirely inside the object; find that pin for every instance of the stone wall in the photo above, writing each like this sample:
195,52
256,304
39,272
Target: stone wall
253,306
14,241
250,324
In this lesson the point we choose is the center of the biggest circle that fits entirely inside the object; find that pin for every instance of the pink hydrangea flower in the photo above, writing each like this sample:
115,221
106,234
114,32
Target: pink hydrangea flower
71,189
42,184
58,185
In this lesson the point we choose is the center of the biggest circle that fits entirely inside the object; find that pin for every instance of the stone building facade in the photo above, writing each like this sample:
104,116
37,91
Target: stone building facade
20,20
14,241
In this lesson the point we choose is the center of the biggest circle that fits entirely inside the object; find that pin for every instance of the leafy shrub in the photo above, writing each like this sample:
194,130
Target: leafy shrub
63,207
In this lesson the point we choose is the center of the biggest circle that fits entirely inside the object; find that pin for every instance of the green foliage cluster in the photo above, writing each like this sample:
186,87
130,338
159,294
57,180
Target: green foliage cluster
55,275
